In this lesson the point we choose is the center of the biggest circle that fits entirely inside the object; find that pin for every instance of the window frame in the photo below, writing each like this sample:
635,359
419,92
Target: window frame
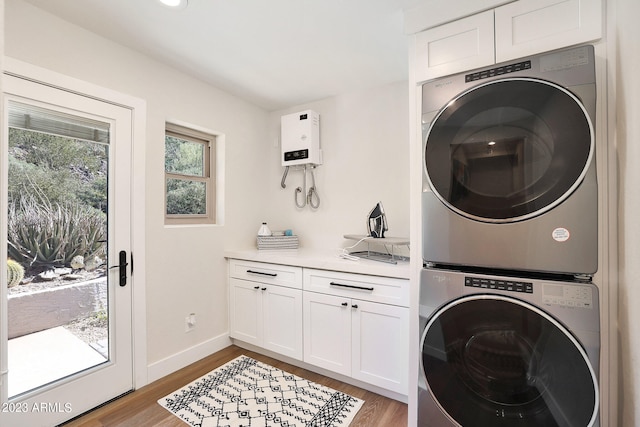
208,140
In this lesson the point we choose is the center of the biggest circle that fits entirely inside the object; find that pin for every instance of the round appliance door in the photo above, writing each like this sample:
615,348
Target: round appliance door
498,361
509,149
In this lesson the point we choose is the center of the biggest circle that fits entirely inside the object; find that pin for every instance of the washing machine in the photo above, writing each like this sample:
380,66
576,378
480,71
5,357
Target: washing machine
509,177
507,351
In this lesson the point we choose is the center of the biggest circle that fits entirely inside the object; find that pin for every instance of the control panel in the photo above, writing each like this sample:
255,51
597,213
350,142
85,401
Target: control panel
498,71
499,284
551,293
567,295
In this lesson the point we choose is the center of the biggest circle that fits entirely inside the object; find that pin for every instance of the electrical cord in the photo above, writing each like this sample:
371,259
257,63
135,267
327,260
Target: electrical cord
344,253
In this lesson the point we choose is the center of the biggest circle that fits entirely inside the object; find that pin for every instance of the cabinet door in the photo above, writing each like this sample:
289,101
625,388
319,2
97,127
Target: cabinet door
455,47
245,311
381,345
528,27
282,308
327,331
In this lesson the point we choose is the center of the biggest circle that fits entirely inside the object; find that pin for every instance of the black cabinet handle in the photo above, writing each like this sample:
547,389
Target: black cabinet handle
362,288
344,304
256,287
264,289
354,306
262,273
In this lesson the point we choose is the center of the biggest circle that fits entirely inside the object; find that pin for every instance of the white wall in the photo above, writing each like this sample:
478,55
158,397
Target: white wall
186,271
364,137
627,127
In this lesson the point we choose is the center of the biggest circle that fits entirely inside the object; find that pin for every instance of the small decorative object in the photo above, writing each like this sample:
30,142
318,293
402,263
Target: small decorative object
264,230
15,273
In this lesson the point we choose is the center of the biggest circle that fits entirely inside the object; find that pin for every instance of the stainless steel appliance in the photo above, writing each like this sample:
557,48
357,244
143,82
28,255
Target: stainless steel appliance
509,178
507,351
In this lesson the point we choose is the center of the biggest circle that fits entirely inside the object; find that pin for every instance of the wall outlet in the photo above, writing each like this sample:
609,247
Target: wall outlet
190,322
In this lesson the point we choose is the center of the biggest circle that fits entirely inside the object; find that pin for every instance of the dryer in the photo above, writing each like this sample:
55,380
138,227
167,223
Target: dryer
507,351
509,177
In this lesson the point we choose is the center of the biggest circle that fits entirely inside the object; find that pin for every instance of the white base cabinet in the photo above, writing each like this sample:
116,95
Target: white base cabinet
380,346
352,324
327,332
264,313
366,340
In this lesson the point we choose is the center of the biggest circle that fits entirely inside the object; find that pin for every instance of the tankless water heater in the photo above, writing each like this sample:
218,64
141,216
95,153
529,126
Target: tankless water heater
300,138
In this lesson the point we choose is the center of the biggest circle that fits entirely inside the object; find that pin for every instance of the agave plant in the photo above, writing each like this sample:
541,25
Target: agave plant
43,233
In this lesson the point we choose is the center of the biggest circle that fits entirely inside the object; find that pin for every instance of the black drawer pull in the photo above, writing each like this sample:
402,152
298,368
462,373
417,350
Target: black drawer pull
256,287
261,273
344,304
263,289
362,288
354,306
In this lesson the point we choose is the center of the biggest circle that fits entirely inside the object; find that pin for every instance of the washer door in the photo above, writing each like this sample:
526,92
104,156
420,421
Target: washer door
509,149
498,361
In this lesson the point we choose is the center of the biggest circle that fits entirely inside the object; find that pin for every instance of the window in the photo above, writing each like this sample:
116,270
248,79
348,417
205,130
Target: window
189,166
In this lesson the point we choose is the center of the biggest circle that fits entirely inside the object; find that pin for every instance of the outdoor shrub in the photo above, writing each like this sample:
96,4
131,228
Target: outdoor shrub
43,233
15,273
59,169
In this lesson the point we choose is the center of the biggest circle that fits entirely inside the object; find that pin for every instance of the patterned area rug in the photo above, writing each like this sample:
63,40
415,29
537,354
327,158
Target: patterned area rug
248,393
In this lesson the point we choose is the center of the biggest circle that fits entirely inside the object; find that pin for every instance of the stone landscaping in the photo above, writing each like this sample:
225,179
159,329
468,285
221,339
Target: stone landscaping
60,297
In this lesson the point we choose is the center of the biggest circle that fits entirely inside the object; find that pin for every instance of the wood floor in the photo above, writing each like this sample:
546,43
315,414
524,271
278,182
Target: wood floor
140,408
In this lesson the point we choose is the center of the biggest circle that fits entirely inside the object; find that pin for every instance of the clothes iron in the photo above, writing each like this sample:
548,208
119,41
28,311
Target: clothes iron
377,221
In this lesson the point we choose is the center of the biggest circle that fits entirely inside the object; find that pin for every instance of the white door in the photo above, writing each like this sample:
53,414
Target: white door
49,374
282,309
381,345
327,331
245,306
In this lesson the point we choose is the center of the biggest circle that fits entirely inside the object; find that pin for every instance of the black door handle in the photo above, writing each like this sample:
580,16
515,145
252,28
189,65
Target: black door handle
122,268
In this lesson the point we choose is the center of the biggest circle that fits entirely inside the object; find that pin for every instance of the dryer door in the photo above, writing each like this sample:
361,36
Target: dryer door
498,361
509,149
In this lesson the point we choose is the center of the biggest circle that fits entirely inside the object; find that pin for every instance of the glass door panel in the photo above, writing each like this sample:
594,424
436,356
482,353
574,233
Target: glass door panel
57,244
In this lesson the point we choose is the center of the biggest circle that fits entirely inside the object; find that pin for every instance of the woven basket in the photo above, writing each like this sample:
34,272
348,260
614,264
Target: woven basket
278,242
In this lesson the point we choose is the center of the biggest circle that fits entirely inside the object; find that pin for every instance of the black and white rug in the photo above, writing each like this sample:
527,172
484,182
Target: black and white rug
248,393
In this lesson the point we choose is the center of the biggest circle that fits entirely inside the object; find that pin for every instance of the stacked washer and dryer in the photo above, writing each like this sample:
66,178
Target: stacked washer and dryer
509,316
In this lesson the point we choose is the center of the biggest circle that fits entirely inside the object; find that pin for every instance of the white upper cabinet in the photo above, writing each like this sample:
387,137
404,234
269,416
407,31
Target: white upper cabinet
458,46
511,31
528,27
431,13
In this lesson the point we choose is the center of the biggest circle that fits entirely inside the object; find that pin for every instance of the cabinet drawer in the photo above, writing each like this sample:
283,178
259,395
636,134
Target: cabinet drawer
283,275
385,290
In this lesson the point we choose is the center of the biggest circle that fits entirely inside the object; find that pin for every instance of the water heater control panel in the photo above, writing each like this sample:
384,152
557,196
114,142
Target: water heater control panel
300,138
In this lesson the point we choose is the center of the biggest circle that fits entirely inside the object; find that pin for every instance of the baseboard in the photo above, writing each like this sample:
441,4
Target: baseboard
168,365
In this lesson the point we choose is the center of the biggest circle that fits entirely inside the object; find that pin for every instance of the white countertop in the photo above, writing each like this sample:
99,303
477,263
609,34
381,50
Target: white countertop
323,260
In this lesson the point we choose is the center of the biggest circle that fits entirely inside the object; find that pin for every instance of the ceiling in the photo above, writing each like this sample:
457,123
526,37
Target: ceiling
274,53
